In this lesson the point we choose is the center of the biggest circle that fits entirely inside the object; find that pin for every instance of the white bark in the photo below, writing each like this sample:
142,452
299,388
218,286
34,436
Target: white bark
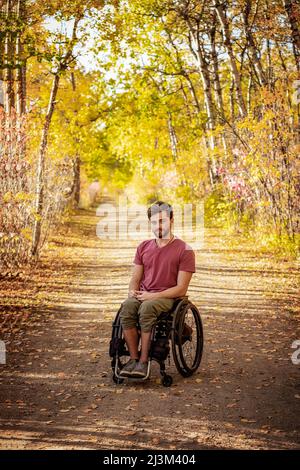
228,44
43,147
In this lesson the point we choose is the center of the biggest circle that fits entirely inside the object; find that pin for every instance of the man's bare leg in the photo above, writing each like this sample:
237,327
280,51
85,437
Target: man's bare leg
145,345
132,340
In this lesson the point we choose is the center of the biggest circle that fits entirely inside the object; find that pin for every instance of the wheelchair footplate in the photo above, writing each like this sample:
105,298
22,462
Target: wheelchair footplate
122,377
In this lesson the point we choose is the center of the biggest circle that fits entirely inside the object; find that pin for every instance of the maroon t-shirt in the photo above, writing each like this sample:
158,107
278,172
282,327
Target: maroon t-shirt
161,265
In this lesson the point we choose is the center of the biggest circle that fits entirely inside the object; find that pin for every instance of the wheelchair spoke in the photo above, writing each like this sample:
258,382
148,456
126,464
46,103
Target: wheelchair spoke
189,340
190,346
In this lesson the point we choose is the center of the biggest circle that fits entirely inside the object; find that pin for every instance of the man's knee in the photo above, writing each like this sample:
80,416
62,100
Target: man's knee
147,305
129,312
148,312
156,305
131,303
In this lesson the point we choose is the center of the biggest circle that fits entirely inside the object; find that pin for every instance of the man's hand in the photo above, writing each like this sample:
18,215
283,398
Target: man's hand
132,293
144,295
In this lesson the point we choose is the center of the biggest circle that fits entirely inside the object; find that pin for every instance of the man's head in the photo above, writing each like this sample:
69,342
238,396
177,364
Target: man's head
160,215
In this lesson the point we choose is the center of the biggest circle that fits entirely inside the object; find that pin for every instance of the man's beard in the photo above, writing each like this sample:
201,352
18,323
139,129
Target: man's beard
162,234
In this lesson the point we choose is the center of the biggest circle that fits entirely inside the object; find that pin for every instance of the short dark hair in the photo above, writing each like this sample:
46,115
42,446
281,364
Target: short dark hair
159,206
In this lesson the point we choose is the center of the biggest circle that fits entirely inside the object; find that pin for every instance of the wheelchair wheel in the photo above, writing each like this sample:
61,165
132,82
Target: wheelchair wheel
167,381
187,339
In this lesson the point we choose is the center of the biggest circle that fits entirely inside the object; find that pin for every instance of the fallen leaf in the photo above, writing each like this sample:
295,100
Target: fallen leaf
155,440
128,433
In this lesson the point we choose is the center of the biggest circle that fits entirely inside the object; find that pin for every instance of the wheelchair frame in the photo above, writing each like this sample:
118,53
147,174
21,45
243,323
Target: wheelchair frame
170,326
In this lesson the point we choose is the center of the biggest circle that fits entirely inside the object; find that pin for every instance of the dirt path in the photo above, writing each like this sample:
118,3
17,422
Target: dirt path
56,389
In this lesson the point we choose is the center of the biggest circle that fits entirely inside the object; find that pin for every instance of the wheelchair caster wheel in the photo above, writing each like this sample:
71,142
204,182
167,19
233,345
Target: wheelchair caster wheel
117,380
167,381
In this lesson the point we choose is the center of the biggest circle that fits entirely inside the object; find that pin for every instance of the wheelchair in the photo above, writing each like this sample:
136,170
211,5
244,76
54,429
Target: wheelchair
179,330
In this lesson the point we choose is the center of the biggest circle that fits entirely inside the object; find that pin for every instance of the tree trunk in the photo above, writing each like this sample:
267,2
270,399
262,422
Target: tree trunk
186,100
292,9
257,65
173,137
20,77
232,107
293,12
196,50
8,88
193,92
20,64
216,78
41,166
76,161
43,147
249,93
227,42
77,180
204,73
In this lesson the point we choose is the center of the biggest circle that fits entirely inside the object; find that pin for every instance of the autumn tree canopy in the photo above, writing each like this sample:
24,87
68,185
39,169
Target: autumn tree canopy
181,99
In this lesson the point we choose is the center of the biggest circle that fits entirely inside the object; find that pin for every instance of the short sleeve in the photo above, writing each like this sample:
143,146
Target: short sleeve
187,261
138,257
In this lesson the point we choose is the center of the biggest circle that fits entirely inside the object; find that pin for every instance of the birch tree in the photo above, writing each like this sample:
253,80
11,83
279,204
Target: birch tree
220,9
64,61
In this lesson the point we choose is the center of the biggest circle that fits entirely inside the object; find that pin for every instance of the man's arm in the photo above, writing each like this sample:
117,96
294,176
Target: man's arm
183,280
134,284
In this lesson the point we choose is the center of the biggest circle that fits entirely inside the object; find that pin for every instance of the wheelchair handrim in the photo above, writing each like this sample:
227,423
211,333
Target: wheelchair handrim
179,351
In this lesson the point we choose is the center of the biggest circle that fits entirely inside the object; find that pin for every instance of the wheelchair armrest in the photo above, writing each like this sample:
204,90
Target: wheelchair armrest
179,299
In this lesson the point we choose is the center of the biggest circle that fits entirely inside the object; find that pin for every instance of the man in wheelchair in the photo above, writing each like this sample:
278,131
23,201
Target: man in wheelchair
163,268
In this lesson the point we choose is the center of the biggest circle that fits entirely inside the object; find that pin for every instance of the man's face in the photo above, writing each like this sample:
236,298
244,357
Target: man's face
161,224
